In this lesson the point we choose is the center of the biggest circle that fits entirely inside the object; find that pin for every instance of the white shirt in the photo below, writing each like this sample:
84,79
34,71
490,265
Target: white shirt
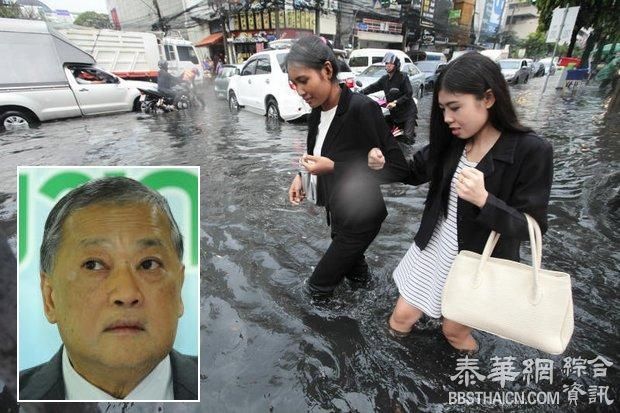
327,117
156,386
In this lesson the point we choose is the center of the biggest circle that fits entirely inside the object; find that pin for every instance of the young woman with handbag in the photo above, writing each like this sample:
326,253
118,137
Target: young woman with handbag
342,128
485,171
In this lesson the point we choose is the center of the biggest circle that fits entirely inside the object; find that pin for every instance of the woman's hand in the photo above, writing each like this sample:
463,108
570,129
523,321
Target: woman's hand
470,187
296,192
317,165
391,105
376,160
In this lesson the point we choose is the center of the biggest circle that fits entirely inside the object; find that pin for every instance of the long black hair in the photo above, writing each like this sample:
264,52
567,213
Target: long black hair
472,74
313,52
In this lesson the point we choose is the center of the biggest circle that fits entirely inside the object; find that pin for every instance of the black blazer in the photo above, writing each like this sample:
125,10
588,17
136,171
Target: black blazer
46,382
351,193
518,172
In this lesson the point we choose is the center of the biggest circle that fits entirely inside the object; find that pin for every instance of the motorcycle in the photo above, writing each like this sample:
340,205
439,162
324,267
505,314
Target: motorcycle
397,133
153,101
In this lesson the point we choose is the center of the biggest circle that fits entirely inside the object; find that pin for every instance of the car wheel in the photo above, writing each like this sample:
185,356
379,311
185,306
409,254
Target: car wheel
136,105
420,92
15,119
233,103
272,109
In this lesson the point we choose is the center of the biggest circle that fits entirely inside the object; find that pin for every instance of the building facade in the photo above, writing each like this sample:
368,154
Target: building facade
521,17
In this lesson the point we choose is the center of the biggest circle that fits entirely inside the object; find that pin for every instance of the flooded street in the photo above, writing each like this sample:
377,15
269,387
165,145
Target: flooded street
264,345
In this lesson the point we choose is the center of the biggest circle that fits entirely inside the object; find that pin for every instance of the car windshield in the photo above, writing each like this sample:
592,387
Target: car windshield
281,57
426,66
373,71
187,54
358,61
509,64
227,71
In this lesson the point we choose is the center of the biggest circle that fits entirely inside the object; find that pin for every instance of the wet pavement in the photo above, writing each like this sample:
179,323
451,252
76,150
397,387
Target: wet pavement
264,345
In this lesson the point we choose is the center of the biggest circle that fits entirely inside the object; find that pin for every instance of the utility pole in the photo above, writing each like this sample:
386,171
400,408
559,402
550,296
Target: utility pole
317,17
161,25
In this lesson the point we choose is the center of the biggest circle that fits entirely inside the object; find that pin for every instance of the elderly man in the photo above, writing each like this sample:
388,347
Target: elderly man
111,278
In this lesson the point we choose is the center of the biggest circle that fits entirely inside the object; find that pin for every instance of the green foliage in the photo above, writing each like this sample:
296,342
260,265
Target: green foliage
10,10
535,45
93,19
599,14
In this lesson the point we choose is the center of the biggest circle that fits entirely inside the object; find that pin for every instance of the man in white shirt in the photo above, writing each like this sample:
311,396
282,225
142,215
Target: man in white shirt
111,278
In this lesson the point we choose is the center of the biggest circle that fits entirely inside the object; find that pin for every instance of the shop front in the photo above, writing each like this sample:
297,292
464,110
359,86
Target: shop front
251,31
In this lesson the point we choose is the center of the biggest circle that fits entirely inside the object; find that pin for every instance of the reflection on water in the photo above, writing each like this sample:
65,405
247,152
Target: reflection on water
264,344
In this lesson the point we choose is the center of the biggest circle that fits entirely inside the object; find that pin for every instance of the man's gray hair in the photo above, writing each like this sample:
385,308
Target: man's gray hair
116,190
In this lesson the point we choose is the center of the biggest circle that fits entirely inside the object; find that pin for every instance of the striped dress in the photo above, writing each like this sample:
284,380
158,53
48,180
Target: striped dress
421,275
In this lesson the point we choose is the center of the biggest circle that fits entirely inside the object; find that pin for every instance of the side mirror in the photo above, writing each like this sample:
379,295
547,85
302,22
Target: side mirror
358,83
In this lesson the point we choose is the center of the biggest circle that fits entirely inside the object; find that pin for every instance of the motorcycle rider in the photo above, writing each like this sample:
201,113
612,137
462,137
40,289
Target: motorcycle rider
403,110
168,84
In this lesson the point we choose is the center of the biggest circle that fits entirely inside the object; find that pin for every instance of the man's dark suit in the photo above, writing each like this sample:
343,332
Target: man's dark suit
45,381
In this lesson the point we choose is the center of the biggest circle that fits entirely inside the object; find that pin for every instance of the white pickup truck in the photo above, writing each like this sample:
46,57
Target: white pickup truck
48,78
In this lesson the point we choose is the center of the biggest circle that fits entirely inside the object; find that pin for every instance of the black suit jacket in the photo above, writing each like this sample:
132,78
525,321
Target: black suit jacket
351,192
518,172
46,382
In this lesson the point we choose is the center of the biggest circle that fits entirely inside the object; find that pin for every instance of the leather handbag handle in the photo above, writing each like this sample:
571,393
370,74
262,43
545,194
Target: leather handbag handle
536,245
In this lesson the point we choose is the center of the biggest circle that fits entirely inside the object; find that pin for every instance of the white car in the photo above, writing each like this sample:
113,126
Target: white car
374,72
262,87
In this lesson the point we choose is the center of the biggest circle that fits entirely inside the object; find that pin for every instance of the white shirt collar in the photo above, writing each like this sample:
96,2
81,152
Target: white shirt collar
156,386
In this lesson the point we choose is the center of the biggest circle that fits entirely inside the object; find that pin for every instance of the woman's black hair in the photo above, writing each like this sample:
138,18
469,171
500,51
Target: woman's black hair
313,52
472,74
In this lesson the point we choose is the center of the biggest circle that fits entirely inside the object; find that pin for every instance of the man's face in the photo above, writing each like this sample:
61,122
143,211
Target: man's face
115,289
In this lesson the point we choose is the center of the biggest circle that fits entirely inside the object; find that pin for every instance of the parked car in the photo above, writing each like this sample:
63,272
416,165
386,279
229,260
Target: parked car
262,87
360,59
431,70
549,65
515,71
49,78
538,69
345,74
374,73
220,83
421,55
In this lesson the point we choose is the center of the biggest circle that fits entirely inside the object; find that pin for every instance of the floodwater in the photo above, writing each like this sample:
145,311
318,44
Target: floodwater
265,346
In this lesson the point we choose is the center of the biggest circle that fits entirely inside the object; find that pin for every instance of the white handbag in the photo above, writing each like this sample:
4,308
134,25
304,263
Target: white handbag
512,300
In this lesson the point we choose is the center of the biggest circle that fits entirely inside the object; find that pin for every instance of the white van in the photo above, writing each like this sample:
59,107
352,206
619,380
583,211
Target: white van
360,59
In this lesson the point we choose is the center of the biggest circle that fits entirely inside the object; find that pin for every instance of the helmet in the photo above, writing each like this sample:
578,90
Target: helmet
391,58
163,64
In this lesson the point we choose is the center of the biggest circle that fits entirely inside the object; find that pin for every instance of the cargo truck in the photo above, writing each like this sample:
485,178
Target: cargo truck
134,55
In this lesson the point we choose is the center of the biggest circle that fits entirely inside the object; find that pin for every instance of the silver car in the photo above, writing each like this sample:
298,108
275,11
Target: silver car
515,71
374,72
223,78
431,70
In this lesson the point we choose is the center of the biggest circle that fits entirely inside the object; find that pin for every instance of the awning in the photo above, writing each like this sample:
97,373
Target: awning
210,39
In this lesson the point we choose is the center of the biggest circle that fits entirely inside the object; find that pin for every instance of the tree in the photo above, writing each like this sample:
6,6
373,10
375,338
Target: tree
597,14
10,10
536,45
93,19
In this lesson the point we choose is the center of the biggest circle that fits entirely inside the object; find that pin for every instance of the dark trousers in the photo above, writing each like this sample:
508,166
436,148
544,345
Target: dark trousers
343,258
408,126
